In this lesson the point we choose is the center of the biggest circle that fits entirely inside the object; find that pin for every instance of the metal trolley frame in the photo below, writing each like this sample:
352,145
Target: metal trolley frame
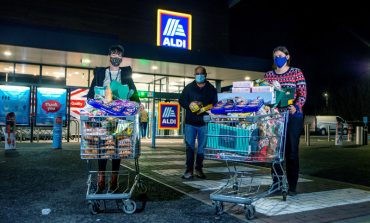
112,137
247,139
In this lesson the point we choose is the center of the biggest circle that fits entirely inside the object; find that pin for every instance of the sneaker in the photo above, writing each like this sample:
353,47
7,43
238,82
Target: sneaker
200,174
187,175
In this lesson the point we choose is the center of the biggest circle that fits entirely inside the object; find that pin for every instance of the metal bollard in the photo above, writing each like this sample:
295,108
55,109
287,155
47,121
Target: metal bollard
328,131
349,133
307,134
359,135
365,135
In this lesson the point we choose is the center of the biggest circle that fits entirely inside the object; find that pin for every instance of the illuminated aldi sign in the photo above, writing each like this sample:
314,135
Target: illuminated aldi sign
169,116
173,29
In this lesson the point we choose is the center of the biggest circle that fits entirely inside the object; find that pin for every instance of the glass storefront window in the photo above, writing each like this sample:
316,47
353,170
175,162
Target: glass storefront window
53,75
142,81
91,76
160,83
77,77
6,72
176,84
27,73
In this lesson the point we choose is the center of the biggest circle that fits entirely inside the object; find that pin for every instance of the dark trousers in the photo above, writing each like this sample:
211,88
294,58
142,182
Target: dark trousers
103,164
143,126
294,128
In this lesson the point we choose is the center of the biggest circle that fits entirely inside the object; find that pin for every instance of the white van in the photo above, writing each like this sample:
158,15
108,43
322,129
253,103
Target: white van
320,123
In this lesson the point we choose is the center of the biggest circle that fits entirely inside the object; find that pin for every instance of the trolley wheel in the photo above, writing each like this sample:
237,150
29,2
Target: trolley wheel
219,207
129,206
94,207
284,195
250,211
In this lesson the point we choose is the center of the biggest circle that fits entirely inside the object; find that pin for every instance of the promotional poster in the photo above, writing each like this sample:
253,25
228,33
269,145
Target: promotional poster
51,102
15,99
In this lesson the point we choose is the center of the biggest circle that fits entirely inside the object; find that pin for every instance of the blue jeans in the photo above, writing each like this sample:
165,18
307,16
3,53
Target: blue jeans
143,126
191,134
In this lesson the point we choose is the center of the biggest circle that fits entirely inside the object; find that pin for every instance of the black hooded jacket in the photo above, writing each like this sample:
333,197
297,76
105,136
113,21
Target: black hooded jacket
207,95
126,78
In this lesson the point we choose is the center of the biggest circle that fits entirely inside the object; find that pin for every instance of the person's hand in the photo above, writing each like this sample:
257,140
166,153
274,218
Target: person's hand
205,109
292,109
194,106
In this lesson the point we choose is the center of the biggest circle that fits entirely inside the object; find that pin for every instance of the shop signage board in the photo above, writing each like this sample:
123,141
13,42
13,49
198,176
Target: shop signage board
169,116
15,99
78,101
51,102
174,29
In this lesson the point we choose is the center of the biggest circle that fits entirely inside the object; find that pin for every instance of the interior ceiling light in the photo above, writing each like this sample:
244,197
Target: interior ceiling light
85,61
7,53
154,67
247,78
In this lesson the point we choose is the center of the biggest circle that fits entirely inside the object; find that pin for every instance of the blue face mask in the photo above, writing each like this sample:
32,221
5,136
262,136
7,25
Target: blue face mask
280,61
200,78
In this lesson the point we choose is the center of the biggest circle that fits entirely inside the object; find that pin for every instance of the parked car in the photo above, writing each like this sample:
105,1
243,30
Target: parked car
320,123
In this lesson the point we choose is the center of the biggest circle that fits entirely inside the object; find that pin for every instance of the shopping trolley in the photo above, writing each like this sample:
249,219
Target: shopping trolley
248,139
112,137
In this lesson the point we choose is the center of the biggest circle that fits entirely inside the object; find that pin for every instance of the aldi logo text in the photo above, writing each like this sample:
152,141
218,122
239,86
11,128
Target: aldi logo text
174,29
169,115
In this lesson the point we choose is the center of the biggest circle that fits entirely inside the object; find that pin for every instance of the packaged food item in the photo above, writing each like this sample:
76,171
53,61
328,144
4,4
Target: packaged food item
99,93
120,91
241,90
195,106
242,84
108,95
237,105
116,108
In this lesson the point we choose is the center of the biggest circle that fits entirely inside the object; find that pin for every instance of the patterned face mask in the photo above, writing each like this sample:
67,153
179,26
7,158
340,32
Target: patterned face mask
115,61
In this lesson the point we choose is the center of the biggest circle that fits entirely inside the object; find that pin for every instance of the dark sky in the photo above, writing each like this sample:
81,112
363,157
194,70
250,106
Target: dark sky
330,43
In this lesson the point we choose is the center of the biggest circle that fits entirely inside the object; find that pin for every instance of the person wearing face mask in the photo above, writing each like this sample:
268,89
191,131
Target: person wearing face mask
289,77
195,95
102,78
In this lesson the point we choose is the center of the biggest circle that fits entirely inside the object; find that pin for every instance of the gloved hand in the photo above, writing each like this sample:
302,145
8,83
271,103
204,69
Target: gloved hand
205,108
195,106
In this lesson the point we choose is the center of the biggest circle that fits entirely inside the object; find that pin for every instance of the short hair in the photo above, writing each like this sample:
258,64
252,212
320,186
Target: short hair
204,71
118,49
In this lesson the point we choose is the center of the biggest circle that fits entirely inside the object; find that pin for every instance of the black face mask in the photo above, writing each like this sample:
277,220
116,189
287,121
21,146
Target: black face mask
115,61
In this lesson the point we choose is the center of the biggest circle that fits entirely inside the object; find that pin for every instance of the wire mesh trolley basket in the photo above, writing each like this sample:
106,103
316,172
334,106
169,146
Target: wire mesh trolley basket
247,139
105,138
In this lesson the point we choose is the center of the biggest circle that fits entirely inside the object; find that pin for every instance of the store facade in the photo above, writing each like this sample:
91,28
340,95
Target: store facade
56,66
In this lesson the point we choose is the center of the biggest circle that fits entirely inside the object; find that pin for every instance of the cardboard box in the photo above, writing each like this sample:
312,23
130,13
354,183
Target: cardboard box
263,89
241,90
243,84
268,97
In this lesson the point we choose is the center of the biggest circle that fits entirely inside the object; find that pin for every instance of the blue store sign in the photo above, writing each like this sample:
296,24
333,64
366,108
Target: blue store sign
169,116
173,29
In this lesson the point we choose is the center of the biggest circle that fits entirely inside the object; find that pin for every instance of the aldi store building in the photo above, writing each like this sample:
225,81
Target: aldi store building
48,53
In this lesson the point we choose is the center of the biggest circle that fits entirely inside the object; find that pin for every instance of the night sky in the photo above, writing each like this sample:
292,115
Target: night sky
329,43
